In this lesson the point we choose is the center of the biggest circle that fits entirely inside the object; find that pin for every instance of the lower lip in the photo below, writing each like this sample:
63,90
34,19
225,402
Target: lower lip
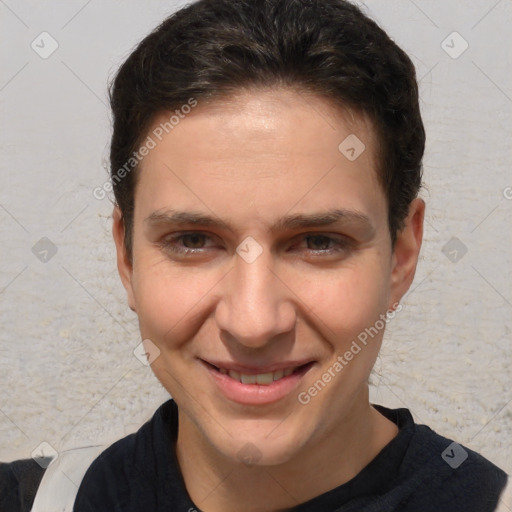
256,394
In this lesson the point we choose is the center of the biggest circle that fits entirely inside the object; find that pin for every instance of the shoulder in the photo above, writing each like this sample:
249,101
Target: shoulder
449,475
126,469
106,479
505,503
19,481
62,476
438,474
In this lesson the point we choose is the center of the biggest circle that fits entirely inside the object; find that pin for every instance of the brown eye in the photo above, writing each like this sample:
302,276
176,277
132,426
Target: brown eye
325,245
185,243
195,239
320,242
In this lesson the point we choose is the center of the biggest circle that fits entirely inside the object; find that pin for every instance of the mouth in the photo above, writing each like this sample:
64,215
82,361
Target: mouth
263,379
256,389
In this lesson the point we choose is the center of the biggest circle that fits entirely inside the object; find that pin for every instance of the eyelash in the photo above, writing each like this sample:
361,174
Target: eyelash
169,244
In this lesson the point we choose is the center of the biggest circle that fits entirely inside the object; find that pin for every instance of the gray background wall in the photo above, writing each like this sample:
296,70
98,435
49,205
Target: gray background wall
68,373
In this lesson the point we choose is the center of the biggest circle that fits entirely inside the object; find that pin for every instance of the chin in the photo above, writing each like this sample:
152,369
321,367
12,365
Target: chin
258,449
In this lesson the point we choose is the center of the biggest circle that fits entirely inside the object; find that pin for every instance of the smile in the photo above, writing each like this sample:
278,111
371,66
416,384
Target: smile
257,388
261,378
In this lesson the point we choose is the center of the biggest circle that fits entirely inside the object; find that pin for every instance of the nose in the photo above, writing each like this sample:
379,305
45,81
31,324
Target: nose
256,305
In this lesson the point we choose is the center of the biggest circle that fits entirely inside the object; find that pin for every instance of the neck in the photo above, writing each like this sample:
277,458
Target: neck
218,484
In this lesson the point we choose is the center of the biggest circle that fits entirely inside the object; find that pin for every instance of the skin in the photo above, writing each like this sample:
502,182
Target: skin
250,160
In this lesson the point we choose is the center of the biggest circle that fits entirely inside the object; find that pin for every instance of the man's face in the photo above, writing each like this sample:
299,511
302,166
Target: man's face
255,288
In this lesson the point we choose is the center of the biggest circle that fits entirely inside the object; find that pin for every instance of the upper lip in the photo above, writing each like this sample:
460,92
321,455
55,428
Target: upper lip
255,370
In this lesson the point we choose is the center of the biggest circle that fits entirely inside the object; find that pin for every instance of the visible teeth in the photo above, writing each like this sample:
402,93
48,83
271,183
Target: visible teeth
262,378
278,375
234,375
248,379
265,378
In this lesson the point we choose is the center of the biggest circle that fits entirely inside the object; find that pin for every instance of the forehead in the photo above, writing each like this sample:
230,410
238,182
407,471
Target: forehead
283,118
266,145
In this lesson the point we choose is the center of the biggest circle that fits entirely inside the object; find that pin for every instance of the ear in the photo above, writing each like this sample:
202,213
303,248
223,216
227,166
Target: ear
124,266
406,251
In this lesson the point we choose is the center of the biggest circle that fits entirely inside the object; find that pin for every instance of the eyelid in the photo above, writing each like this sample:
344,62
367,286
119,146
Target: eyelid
342,242
176,237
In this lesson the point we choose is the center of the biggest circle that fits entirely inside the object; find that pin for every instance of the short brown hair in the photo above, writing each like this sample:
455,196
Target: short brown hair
213,48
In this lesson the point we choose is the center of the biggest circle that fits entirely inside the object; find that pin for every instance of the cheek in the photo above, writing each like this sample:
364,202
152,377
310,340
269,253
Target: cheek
173,303
348,301
167,300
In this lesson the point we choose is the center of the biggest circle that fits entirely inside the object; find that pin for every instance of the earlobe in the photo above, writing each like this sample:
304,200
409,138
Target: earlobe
406,250
124,265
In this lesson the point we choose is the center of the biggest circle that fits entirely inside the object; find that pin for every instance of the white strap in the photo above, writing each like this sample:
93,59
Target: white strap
61,480
505,504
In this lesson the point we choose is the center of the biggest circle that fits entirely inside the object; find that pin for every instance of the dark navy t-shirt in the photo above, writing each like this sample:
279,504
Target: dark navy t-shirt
418,470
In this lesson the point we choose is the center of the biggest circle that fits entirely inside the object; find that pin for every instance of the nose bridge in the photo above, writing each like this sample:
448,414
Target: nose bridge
255,306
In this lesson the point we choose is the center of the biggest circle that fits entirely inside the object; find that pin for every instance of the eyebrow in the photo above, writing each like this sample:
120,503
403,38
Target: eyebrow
329,217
